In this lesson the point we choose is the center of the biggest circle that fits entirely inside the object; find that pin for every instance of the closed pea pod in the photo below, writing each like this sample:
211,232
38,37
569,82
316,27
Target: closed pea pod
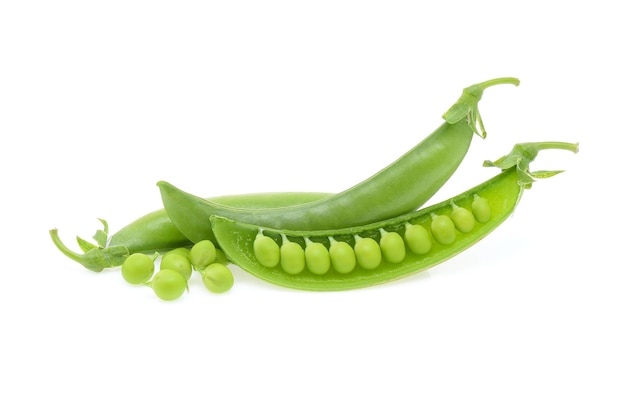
155,232
408,182
502,193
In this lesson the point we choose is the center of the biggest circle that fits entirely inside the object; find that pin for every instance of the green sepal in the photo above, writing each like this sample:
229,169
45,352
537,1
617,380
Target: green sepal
84,244
113,256
544,174
466,108
523,154
101,236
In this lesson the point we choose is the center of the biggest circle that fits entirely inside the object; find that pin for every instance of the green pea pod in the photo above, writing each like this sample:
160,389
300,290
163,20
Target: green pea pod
404,185
396,247
154,232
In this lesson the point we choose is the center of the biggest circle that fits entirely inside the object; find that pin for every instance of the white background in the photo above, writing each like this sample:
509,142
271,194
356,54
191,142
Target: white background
100,100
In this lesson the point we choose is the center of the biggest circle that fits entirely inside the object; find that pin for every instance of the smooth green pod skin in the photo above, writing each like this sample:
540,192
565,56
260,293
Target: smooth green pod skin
154,232
403,186
502,192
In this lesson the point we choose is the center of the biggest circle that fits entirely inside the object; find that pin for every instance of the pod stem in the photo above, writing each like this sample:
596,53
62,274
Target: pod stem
94,259
523,154
493,82
466,108
539,146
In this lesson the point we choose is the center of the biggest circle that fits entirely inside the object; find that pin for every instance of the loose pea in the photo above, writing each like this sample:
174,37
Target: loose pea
418,239
443,229
178,263
317,258
220,257
168,284
181,251
217,278
367,253
137,268
392,247
481,209
342,256
291,257
202,254
462,219
266,251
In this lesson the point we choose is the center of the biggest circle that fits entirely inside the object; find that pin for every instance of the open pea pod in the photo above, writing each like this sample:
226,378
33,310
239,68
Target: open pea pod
356,257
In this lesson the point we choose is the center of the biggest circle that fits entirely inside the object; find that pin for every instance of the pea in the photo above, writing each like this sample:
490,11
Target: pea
443,229
202,254
178,263
392,247
367,252
217,278
291,257
418,239
266,251
481,209
221,257
342,256
463,219
137,268
316,257
168,284
181,251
